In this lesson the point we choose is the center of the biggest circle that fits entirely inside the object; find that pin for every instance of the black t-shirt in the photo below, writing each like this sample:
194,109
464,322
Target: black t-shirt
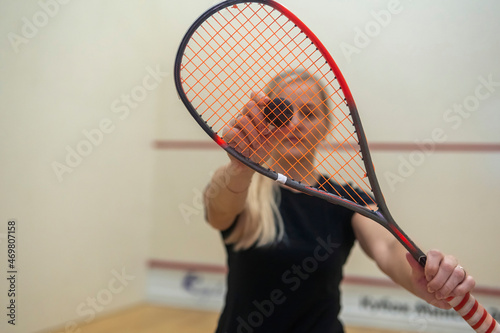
293,285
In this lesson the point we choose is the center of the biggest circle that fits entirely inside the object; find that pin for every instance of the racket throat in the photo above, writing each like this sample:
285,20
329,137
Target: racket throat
403,238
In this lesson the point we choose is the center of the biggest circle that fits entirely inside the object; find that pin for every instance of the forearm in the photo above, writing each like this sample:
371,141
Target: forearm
392,261
225,195
380,245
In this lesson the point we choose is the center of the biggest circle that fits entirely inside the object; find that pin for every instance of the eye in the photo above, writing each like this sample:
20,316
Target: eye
305,110
308,111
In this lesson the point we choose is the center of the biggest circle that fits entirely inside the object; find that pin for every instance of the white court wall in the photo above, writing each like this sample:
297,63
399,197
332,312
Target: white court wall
75,167
406,76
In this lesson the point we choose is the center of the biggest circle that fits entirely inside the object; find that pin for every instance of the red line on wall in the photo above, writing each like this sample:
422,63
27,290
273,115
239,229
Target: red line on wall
187,145
352,280
374,146
186,266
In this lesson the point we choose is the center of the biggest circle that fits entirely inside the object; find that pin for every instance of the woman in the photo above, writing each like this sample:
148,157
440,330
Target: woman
286,249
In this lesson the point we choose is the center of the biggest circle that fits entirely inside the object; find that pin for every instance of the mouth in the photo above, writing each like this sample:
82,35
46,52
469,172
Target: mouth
292,139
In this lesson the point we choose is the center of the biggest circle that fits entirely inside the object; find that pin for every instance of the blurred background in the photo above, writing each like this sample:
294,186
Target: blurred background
102,168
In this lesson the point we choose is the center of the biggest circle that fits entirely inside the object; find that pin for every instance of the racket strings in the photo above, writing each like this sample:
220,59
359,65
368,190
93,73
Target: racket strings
243,48
227,58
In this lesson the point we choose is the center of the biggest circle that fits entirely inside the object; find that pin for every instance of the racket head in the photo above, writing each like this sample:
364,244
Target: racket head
239,47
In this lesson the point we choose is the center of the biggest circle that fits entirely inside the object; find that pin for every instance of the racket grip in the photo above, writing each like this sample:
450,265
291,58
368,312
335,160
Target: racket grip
474,314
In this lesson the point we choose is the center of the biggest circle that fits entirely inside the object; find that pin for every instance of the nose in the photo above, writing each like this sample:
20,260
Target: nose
295,121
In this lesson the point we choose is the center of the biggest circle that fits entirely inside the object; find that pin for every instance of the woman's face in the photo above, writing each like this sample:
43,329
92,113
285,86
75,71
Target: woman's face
309,124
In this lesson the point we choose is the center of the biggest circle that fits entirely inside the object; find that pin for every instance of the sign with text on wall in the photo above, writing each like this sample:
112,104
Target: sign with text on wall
362,304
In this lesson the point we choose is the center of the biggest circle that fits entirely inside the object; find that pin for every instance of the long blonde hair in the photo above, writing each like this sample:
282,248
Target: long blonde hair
261,223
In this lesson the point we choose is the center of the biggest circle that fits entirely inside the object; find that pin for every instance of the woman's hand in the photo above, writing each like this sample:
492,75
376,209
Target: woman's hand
249,132
442,278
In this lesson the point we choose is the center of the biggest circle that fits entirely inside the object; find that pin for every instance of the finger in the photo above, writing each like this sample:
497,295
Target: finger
250,142
234,121
248,124
246,135
247,107
462,271
260,98
230,131
446,269
233,133
230,126
465,287
242,136
457,276
256,115
442,304
434,258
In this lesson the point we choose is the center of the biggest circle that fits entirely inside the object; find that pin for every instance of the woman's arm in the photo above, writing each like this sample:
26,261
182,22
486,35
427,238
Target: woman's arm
441,278
226,194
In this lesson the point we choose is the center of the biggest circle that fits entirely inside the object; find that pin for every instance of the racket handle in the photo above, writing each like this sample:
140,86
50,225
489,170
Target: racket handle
474,314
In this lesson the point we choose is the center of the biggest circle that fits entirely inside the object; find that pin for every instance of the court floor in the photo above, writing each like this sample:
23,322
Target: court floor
149,318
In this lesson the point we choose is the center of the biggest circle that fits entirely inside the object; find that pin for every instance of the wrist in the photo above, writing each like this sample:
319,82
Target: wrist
237,178
237,169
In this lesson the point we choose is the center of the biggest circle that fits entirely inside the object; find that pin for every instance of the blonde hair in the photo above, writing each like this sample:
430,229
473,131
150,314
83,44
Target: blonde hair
261,223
